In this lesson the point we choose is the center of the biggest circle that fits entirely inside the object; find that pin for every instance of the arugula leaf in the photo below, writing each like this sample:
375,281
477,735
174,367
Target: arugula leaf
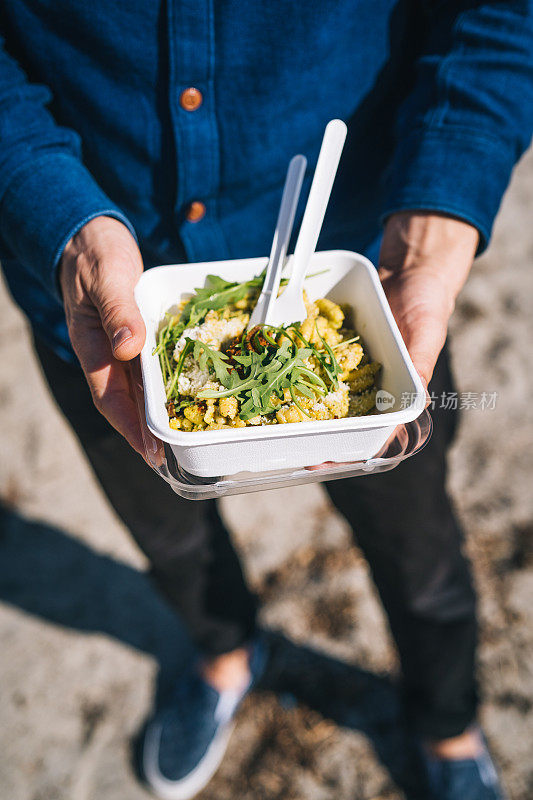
304,352
268,374
184,353
217,293
247,383
332,368
296,403
215,359
304,389
244,360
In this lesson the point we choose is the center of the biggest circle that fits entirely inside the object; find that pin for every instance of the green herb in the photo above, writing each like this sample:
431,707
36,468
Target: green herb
296,403
166,342
174,382
331,366
217,293
345,342
268,372
214,359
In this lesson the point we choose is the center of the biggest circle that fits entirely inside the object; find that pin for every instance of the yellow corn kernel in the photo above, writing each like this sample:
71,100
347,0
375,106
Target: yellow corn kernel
290,414
349,358
228,407
320,411
209,414
320,326
281,416
331,311
194,414
332,336
307,328
294,414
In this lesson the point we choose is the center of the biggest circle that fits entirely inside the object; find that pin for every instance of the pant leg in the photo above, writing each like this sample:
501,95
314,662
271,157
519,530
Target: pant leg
406,527
192,559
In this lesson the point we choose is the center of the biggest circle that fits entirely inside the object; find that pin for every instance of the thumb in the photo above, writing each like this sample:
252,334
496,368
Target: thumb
424,362
120,316
126,330
424,345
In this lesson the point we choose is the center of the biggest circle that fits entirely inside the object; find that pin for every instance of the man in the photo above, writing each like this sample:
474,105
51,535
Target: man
135,134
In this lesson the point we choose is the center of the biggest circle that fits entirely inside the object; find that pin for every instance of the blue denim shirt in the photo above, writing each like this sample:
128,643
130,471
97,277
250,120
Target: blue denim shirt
438,97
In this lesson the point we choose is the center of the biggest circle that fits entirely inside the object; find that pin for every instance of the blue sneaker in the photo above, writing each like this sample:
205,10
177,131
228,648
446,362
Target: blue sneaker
463,779
185,742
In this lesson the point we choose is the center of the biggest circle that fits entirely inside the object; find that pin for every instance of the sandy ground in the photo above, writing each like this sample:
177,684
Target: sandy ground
83,637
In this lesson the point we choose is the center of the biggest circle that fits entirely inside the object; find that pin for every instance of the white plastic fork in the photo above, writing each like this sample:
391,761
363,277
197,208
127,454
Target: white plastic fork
289,306
280,243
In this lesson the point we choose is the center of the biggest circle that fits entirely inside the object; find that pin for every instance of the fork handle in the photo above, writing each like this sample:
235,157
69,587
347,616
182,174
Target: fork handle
282,235
326,169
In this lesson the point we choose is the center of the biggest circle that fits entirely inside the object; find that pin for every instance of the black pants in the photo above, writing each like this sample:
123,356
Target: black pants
402,520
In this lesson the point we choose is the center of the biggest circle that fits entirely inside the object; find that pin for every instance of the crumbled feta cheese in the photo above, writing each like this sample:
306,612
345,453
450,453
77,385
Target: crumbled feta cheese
213,331
193,379
184,384
188,333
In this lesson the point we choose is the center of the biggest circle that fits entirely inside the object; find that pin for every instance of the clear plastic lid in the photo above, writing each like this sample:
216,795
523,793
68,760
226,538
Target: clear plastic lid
406,440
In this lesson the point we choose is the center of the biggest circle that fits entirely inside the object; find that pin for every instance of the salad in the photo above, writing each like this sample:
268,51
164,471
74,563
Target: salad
217,374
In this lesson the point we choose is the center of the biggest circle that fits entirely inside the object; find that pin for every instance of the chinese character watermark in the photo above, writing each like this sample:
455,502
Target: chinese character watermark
451,401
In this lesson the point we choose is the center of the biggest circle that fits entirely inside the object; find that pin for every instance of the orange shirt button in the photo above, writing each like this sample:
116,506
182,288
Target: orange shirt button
196,211
191,99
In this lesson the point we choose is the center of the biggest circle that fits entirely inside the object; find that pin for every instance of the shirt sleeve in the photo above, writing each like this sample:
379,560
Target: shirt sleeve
469,116
46,193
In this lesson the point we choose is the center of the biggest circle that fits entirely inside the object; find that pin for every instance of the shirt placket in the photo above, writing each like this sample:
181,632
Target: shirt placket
192,105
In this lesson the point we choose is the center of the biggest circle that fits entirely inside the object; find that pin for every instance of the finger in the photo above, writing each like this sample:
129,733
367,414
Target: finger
120,316
331,465
108,382
424,345
111,394
124,326
421,311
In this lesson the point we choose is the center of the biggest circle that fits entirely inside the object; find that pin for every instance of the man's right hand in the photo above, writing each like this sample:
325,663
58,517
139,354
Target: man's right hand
98,271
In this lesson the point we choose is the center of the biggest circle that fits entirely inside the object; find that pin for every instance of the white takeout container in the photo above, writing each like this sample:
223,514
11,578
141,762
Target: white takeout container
344,277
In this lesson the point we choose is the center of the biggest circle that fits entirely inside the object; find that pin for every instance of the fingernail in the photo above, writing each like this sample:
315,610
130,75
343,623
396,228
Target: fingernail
121,336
